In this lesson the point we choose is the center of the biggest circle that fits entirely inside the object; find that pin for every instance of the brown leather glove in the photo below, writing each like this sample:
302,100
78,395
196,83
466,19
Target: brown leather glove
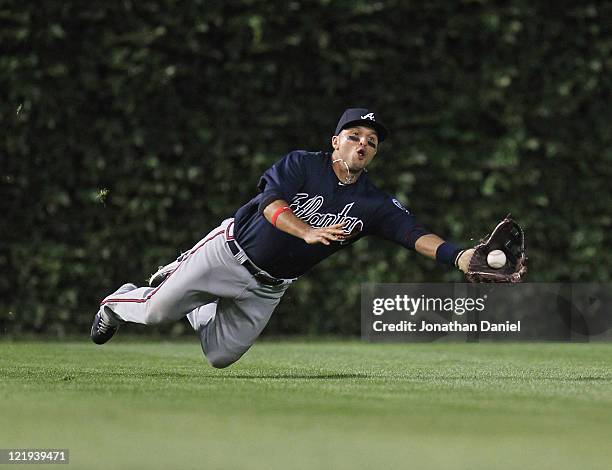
508,237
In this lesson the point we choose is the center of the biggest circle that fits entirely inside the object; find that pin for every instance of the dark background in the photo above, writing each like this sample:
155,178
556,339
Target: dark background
130,129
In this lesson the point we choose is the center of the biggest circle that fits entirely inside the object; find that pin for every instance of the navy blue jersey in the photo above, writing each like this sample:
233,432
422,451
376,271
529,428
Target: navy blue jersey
306,180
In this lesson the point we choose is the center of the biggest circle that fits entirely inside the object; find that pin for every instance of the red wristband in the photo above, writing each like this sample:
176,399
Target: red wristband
278,212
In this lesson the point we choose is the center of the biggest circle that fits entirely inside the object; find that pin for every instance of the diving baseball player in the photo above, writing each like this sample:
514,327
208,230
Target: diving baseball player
309,206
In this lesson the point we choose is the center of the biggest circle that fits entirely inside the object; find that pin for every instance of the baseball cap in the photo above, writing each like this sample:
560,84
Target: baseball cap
364,117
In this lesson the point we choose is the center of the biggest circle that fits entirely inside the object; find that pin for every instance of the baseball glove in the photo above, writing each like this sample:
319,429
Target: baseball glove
508,237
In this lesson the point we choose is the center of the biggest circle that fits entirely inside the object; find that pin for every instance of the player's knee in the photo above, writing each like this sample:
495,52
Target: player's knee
221,359
154,315
159,309
220,364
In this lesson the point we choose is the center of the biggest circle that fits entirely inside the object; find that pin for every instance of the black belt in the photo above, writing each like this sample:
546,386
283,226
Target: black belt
257,273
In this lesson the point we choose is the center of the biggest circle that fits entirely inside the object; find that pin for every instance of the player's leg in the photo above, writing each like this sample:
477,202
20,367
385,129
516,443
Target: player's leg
237,323
209,272
182,292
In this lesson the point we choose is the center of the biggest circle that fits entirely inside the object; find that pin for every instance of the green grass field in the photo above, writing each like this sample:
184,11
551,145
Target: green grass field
311,405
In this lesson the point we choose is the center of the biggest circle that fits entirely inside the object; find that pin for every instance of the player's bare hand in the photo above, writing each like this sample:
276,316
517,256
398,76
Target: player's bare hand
464,260
325,235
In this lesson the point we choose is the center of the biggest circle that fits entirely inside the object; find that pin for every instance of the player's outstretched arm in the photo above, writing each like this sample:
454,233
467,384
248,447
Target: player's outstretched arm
428,245
279,215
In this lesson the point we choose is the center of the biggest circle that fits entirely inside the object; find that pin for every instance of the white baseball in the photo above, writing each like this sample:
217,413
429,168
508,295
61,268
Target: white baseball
496,259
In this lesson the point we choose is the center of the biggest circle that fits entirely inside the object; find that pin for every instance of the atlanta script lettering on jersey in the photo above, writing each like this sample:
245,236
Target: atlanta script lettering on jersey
306,207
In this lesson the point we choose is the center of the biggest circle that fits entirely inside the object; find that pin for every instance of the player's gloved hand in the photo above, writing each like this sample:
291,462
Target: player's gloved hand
463,262
508,237
324,235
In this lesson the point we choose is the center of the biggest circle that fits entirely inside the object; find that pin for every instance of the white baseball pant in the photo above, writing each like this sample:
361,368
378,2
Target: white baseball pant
224,303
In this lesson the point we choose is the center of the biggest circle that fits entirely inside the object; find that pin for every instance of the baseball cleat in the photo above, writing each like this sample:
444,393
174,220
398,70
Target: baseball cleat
106,323
163,272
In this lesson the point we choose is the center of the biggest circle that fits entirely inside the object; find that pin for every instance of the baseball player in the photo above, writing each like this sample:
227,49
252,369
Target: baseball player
309,206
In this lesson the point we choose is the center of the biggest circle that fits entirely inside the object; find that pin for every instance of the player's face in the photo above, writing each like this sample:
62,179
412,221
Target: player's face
356,146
